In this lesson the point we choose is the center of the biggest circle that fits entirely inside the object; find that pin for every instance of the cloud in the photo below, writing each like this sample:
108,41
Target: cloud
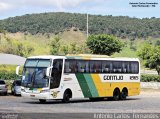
5,6
59,4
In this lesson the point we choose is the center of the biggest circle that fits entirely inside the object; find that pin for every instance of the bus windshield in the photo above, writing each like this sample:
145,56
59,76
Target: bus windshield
34,73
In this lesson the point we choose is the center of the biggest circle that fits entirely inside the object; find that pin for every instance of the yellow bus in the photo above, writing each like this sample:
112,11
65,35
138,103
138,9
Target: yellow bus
65,77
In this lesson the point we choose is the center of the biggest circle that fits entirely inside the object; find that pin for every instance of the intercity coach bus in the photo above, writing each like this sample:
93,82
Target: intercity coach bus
65,77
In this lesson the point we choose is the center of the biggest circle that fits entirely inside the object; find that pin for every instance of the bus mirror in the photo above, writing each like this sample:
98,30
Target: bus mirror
17,70
48,71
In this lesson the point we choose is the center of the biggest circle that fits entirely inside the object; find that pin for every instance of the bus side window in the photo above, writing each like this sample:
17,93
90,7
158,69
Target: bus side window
83,66
134,67
95,66
105,66
117,68
70,66
124,69
67,68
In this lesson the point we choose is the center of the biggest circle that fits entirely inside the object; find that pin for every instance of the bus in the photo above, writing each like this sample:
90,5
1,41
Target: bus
65,77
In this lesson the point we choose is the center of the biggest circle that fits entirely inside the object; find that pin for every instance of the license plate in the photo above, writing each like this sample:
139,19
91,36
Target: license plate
32,95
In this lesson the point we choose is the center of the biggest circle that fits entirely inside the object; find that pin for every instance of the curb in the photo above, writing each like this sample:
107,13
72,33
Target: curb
152,85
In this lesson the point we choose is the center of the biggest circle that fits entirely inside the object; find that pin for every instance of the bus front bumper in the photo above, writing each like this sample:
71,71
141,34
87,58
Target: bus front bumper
45,95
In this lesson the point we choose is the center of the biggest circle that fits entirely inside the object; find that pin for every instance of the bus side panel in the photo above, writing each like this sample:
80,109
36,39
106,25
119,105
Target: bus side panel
70,81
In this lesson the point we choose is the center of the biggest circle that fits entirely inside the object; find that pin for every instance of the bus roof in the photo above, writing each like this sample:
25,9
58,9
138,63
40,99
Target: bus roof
84,57
45,57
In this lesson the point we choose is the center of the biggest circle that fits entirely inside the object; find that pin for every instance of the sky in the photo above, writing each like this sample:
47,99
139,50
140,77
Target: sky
12,8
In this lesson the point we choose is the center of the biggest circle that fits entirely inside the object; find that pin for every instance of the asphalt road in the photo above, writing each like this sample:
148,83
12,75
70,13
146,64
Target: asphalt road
147,102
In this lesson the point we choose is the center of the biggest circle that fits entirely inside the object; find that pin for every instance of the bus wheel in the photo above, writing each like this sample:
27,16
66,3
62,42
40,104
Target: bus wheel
116,94
124,94
42,100
66,97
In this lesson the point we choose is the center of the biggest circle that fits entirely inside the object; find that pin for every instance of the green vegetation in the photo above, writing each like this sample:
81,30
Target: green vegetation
17,48
7,72
58,48
104,44
26,44
149,78
151,56
55,45
120,26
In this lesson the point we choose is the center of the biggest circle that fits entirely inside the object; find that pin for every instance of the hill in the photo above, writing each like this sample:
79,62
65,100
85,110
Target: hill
120,26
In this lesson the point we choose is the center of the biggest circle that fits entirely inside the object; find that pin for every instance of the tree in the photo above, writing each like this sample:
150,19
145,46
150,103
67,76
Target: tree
151,56
55,46
157,43
65,49
104,44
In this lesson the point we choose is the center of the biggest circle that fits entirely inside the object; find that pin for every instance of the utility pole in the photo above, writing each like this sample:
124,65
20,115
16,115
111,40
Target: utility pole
87,25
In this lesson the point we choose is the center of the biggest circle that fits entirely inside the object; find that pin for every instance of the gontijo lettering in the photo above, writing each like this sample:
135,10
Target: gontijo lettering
112,77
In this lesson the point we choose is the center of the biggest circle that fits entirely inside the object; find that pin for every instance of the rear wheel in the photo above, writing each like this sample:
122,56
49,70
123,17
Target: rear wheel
116,94
124,94
42,100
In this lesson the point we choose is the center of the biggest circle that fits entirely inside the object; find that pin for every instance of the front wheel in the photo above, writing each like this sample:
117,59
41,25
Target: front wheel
42,100
66,97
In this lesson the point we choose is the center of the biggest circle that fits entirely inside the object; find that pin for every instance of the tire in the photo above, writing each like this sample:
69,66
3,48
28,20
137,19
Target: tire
124,94
66,97
116,95
42,101
14,93
5,93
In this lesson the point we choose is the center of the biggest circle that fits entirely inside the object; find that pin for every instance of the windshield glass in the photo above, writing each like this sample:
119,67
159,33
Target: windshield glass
18,83
34,73
2,82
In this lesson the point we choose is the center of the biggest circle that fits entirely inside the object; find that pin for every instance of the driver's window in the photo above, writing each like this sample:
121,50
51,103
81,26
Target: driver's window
56,73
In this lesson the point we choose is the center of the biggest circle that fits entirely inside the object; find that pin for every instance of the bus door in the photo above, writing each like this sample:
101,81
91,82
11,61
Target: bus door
56,73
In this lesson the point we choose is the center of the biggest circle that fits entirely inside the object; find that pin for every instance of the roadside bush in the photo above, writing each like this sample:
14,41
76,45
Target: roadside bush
8,72
8,75
149,78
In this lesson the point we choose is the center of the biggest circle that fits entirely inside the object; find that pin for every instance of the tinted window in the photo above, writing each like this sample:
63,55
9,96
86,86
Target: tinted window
70,66
107,66
95,66
117,67
18,83
134,67
83,66
2,82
